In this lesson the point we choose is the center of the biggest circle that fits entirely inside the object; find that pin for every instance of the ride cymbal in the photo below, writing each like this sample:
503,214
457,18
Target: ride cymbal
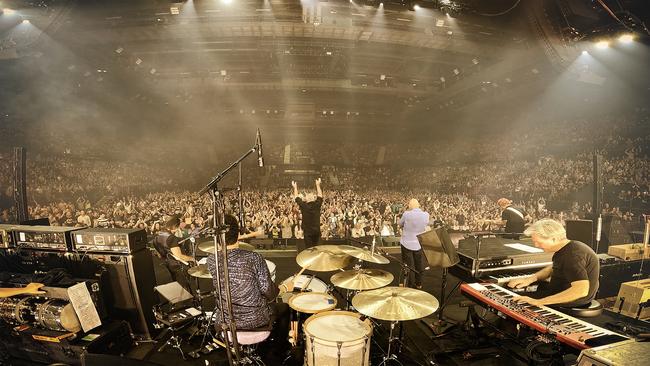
364,254
323,258
200,271
395,303
362,279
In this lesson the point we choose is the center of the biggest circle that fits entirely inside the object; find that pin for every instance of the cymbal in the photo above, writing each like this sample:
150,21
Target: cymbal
364,254
323,258
395,303
208,246
200,271
362,279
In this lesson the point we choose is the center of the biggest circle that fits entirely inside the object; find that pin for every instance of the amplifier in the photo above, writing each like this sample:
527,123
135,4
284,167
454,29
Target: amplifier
54,238
500,253
100,240
633,299
628,353
128,289
6,236
615,271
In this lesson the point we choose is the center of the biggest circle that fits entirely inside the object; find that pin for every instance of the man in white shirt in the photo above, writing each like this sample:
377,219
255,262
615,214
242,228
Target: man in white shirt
413,222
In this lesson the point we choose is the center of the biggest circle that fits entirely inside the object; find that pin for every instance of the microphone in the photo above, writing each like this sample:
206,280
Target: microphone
258,143
599,228
372,251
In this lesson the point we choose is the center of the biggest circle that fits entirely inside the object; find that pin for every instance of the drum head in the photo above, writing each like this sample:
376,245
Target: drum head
312,302
69,320
337,326
308,282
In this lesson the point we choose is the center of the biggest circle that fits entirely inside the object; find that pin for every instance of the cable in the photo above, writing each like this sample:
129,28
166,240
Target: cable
501,13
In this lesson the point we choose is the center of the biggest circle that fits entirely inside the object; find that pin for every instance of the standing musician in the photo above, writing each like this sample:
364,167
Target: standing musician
513,218
252,291
167,246
572,280
310,210
413,222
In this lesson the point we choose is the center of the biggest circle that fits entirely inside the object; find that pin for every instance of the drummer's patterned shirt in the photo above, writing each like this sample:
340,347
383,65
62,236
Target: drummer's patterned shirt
251,288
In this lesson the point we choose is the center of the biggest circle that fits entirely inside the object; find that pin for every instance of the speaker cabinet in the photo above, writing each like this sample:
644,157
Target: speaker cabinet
580,230
130,294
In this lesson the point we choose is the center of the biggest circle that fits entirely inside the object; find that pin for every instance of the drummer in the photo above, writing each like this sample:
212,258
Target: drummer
253,292
168,248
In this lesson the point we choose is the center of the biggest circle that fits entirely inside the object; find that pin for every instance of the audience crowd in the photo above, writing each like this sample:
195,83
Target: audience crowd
549,173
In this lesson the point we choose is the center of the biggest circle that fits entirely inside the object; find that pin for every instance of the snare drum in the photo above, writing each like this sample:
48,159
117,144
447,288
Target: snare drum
306,283
312,302
337,338
271,267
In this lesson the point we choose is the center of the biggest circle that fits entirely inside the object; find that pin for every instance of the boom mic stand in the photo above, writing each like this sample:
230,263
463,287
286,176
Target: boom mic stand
221,257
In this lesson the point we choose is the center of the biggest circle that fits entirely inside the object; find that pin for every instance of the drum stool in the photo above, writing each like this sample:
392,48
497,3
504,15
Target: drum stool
249,341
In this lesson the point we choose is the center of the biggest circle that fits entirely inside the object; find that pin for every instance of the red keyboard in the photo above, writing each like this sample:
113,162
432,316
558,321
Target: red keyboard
566,329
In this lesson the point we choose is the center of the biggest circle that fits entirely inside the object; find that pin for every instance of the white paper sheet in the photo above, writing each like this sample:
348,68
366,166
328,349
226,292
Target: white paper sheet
524,248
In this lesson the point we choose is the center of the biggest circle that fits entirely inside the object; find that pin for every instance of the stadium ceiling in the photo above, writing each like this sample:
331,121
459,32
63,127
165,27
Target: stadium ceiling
340,48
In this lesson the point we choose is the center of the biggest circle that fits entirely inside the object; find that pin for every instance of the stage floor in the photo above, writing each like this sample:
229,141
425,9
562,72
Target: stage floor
420,346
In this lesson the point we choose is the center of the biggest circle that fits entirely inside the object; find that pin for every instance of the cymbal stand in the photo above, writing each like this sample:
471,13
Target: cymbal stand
391,357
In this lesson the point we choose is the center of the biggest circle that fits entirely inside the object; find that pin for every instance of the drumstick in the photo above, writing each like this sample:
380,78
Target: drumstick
299,273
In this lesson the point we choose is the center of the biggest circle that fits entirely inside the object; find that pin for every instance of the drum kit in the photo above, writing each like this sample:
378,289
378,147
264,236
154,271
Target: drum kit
342,337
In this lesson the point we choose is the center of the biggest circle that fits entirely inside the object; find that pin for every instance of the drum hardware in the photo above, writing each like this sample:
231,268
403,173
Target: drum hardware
174,323
395,304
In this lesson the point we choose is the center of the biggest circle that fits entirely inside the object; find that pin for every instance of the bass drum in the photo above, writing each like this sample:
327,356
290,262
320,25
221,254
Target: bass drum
337,338
55,314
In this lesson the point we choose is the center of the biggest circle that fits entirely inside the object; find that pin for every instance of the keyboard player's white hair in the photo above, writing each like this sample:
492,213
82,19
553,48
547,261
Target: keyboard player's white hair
547,228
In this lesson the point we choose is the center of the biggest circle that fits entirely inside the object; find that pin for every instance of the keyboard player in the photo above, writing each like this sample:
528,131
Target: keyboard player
572,279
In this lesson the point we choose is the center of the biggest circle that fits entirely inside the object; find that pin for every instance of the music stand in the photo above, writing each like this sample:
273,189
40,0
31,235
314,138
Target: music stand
173,292
439,251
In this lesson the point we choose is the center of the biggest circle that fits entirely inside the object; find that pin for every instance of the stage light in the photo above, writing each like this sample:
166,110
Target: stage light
584,52
626,38
416,7
26,21
226,1
602,44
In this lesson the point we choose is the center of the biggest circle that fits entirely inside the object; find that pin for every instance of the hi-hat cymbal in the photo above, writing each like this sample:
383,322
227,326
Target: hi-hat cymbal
395,303
208,246
200,271
364,254
362,279
323,258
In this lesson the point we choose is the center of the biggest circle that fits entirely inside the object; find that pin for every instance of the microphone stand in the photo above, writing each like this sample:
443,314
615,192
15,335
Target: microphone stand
240,200
221,254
